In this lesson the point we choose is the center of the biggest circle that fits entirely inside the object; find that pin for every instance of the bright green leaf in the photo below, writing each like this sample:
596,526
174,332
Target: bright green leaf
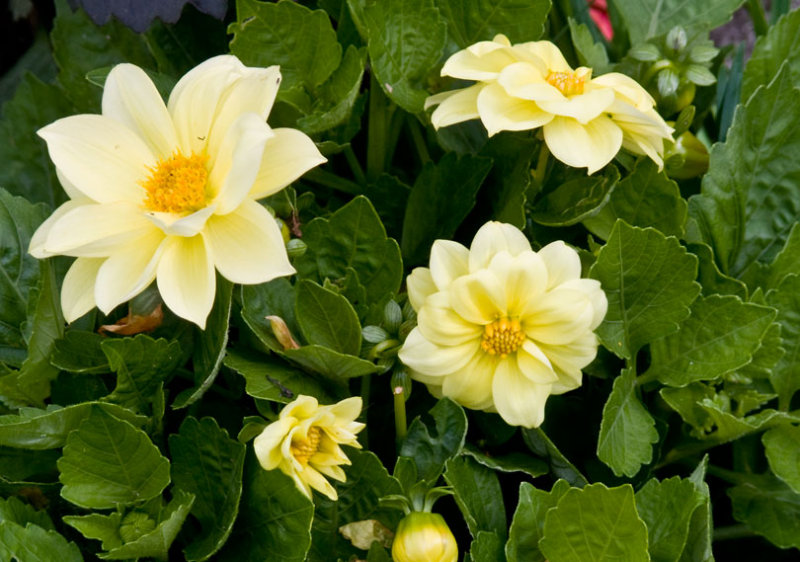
34,544
785,376
429,450
332,365
698,541
590,53
478,495
14,510
769,507
327,318
104,528
527,526
470,21
650,18
782,447
779,45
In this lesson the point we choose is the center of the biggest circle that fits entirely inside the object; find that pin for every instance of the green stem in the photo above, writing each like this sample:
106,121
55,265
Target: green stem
756,11
399,414
679,453
733,532
323,177
730,476
419,142
355,165
541,165
366,385
376,131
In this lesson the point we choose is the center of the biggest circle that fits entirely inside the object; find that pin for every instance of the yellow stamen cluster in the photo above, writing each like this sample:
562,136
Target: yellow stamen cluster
177,184
502,337
305,449
569,83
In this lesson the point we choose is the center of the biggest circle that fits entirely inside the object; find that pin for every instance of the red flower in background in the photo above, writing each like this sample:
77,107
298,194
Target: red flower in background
598,10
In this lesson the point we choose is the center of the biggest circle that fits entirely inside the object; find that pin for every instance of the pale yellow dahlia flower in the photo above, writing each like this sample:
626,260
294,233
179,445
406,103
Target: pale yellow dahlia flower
304,442
168,192
501,327
584,120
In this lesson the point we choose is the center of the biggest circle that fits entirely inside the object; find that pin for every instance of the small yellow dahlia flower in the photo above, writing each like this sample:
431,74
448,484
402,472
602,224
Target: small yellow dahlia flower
168,192
424,536
304,442
584,120
501,327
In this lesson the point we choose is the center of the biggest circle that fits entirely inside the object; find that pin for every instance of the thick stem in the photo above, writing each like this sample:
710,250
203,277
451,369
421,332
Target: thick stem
756,10
355,165
539,171
419,141
376,131
732,532
399,415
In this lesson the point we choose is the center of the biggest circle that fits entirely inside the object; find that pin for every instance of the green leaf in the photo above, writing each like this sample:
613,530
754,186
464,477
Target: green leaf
14,510
108,461
141,364
510,462
156,543
80,352
405,39
782,447
470,21
26,166
334,366
487,547
785,263
750,197
267,378
19,272
34,544
575,200
431,451
208,463
276,298
20,465
627,431
510,176
301,41
649,281
354,237
367,482
666,508
432,211
721,335
589,52
209,345
478,495
48,429
730,427
785,376
541,445
779,45
698,541
650,18
327,318
103,528
646,197
710,277
769,507
594,523
527,526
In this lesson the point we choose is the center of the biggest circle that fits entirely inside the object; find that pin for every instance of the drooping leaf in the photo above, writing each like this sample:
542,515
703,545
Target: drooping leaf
108,461
327,318
575,200
594,523
785,376
478,495
34,544
541,445
779,45
769,507
527,526
649,281
782,447
430,450
20,465
511,462
627,431
470,21
208,463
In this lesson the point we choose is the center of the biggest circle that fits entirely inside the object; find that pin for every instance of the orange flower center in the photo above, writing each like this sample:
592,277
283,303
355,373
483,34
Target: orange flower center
306,448
177,184
569,83
502,337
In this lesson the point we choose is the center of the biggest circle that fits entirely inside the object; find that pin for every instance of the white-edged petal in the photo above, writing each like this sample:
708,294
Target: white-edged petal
431,359
186,278
130,97
247,246
448,262
100,157
518,400
288,154
500,111
455,106
591,146
420,286
77,292
492,238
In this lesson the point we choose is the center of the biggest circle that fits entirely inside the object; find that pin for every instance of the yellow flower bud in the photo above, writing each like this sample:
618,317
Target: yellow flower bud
425,537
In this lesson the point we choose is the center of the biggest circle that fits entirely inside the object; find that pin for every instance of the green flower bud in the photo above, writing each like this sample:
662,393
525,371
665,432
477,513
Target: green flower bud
296,248
424,536
686,158
284,230
135,525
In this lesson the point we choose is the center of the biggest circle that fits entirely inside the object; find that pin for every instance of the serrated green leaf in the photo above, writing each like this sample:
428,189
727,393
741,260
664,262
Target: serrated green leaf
646,197
14,510
34,544
267,378
156,543
750,197
276,298
698,540
710,277
785,376
208,463
685,401
650,18
590,53
141,364
787,261
39,429
301,41
573,201
594,523
486,547
478,495
782,447
730,427
627,431
649,281
541,445
721,335
80,352
432,211
354,237
108,461
104,528
779,45
470,21
769,507
527,526
405,39
666,507
430,450
327,318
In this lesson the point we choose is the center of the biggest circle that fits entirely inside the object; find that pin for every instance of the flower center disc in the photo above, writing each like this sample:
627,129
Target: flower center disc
502,337
304,450
177,184
567,82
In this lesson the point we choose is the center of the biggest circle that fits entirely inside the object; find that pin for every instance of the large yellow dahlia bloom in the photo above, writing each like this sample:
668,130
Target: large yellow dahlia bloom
304,442
501,327
168,192
584,120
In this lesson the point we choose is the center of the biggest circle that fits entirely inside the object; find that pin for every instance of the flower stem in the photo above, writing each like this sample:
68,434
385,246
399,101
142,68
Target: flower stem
355,166
366,385
418,140
756,11
733,532
541,165
376,131
323,177
399,414
679,453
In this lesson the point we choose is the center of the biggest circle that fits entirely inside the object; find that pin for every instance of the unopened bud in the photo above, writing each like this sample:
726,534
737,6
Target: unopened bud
424,536
282,333
296,248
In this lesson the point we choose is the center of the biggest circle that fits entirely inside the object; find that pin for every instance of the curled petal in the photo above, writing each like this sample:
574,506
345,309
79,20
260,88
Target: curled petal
500,111
472,384
288,154
562,262
455,106
77,292
592,145
479,298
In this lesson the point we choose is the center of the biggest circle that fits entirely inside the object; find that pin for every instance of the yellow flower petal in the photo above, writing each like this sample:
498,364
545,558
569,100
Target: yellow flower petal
492,238
518,400
627,89
562,263
433,360
39,239
592,145
534,364
524,275
267,444
583,107
455,106
186,278
420,286
439,323
288,154
77,292
501,112
524,80
448,262
479,297
472,384
559,317
481,61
